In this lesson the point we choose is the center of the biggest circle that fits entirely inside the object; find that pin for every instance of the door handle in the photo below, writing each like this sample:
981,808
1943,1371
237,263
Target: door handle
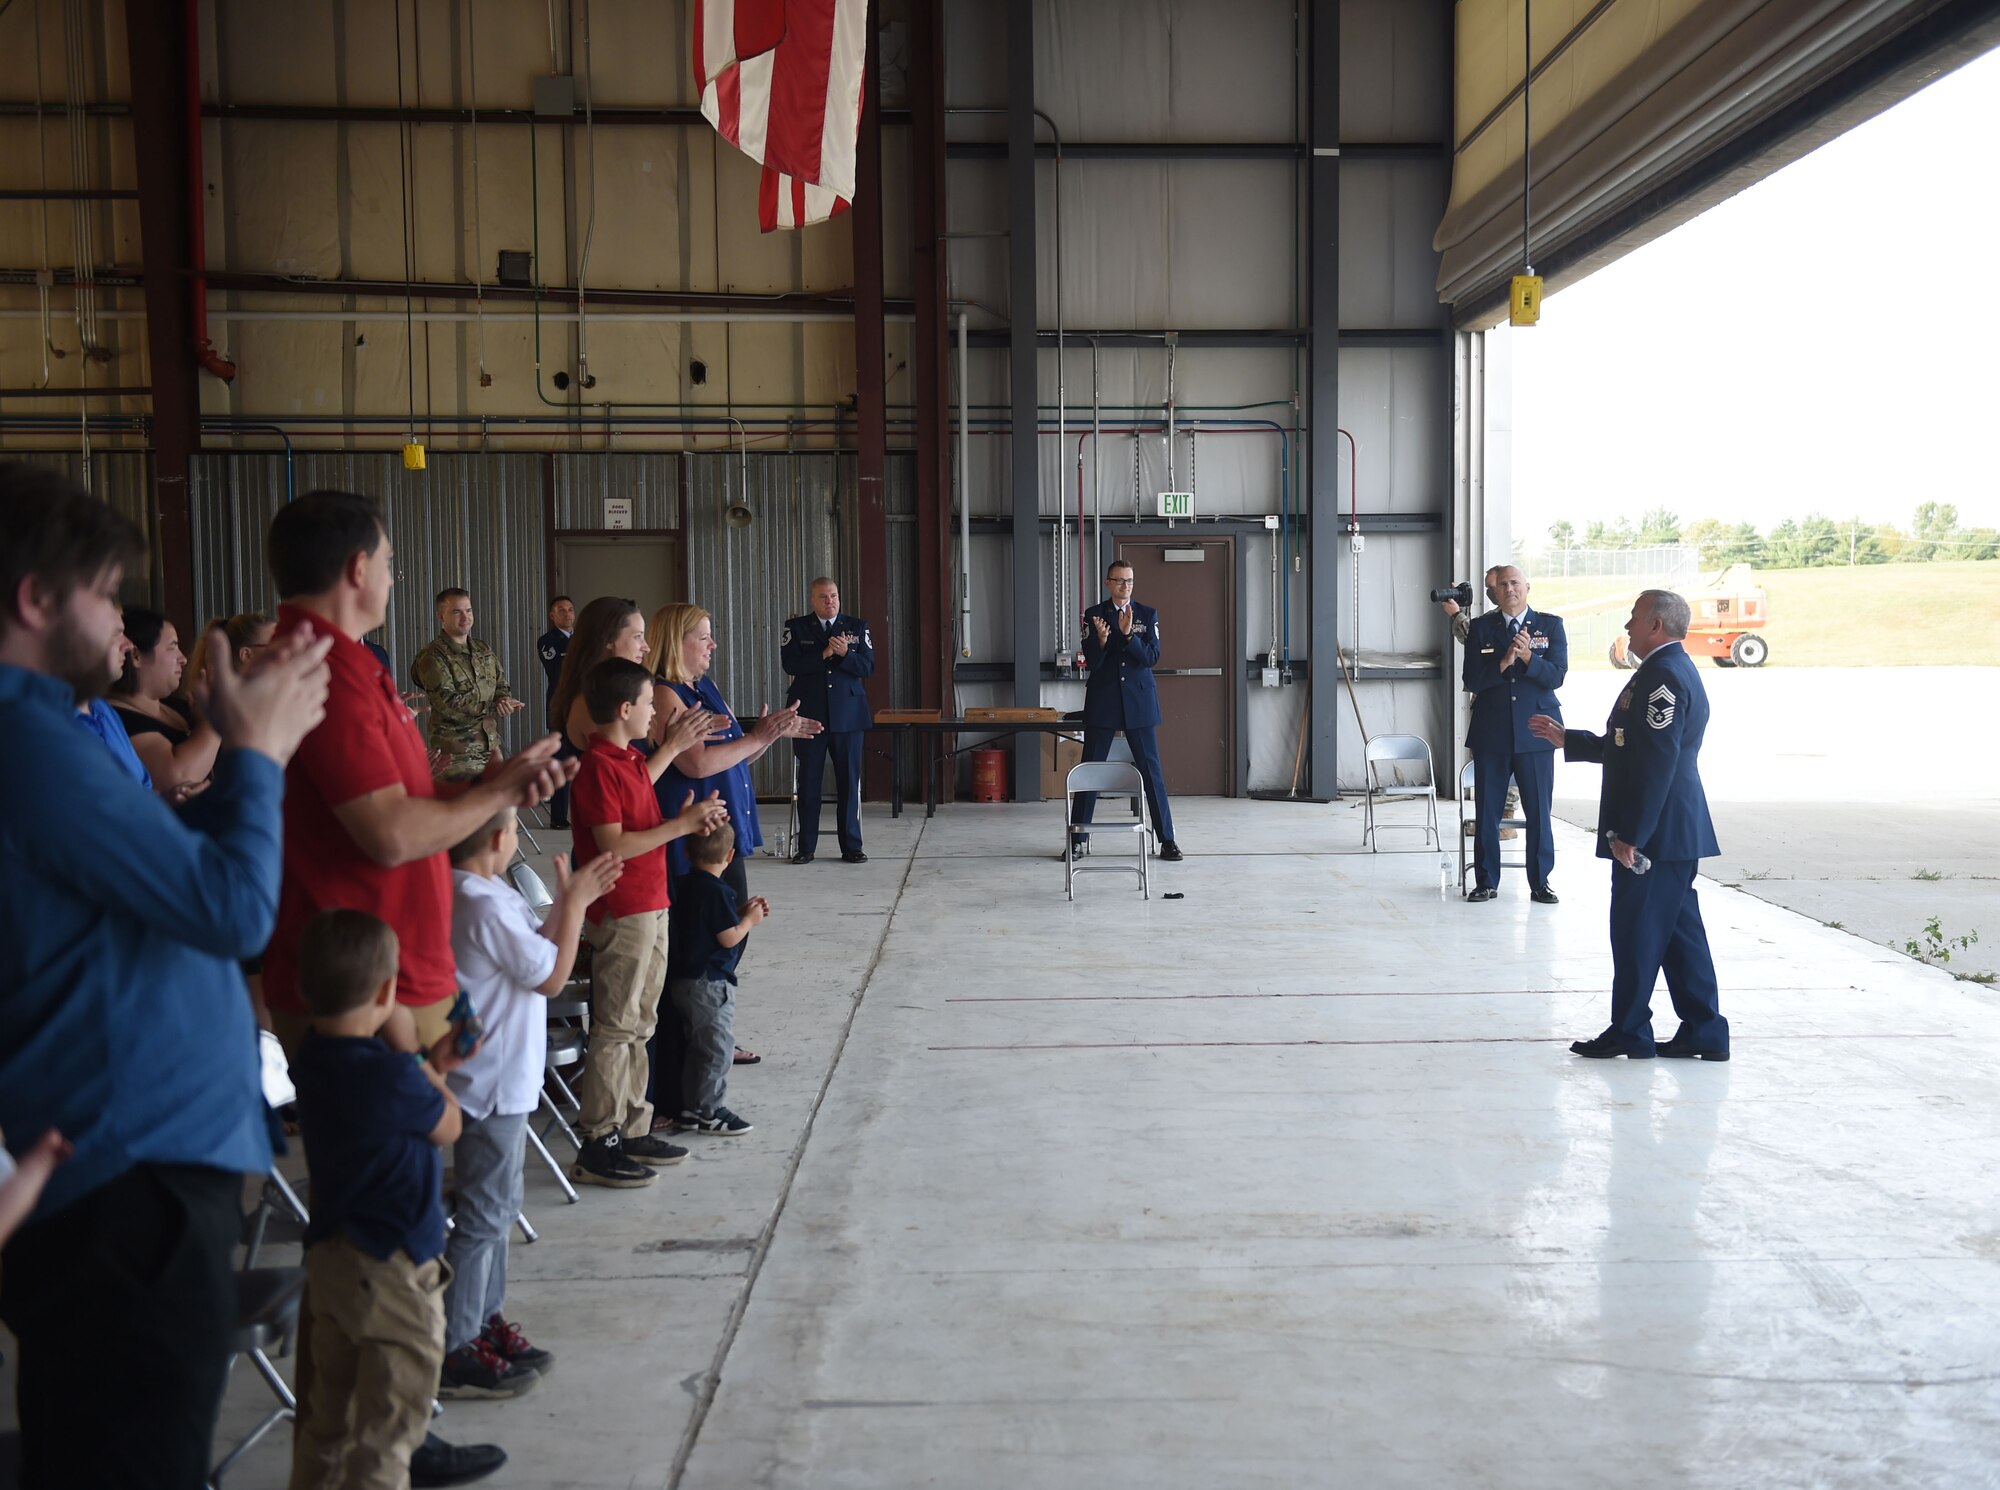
1187,672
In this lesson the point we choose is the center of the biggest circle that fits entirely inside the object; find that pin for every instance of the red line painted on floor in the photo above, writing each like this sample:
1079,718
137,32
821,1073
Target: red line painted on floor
1255,1044
1355,993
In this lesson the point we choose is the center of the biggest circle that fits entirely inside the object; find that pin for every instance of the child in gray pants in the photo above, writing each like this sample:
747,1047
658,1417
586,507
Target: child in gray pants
706,930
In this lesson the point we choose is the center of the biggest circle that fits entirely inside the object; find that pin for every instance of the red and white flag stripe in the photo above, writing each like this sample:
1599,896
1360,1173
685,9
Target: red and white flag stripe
787,202
781,81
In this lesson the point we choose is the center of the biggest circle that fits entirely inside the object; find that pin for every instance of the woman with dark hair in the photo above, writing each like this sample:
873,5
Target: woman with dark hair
611,627
177,751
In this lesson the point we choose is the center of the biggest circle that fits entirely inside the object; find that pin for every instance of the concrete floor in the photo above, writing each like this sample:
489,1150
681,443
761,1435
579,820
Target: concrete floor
1290,1182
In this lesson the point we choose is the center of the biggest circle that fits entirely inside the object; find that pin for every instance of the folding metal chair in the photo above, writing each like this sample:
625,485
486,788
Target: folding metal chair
267,1322
1118,779
1468,825
1395,753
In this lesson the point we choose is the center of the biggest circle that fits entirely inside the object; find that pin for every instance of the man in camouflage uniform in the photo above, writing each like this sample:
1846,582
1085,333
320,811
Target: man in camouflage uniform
468,695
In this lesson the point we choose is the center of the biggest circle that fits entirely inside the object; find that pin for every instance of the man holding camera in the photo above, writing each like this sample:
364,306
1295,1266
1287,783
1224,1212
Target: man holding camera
1515,660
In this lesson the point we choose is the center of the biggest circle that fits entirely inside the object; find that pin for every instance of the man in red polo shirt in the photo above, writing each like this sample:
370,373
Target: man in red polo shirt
364,826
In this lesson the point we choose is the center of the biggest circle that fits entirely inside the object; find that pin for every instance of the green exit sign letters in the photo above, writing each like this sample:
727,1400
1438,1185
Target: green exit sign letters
1176,504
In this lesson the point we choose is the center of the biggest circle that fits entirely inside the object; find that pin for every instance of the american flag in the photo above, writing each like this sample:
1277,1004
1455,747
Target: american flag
781,81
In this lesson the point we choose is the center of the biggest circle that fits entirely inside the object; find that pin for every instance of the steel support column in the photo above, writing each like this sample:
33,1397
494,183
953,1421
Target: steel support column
933,366
1326,542
156,43
871,415
1023,392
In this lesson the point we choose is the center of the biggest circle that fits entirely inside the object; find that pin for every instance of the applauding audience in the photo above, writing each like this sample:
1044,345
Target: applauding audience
178,752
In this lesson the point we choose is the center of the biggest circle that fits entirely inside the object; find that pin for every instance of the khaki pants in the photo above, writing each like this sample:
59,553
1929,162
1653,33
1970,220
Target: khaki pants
371,1340
627,977
290,1026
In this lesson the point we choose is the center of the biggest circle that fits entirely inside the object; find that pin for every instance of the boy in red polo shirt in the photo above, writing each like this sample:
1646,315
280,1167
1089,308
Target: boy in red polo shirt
613,811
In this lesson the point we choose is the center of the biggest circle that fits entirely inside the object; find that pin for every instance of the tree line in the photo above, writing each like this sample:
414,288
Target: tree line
1809,542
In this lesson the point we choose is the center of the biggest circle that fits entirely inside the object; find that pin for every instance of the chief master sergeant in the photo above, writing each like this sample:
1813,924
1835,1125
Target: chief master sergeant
828,653
1652,804
1121,644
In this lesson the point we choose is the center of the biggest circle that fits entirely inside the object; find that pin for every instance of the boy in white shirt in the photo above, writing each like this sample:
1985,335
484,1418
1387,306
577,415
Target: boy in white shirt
508,966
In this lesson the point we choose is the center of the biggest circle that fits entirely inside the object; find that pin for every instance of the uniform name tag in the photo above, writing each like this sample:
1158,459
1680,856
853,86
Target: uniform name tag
1485,651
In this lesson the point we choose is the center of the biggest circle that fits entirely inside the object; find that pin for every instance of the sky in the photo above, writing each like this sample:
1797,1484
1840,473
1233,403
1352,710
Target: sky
1819,342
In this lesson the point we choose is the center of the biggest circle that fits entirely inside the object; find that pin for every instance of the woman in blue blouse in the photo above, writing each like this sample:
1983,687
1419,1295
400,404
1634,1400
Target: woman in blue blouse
680,644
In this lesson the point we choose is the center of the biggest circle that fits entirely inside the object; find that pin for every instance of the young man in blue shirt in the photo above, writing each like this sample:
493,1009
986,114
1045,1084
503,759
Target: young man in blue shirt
125,1024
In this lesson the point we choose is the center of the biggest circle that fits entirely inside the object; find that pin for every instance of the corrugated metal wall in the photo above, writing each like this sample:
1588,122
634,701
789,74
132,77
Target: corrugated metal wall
469,520
123,479
479,520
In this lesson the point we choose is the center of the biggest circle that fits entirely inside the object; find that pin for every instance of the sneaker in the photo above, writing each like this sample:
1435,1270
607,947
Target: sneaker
512,1346
721,1121
650,1150
437,1463
475,1370
603,1161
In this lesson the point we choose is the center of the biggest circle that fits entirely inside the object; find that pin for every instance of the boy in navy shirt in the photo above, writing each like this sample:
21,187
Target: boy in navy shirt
705,940
371,1329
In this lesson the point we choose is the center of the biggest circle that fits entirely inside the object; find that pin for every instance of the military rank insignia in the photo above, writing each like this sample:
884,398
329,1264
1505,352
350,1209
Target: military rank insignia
1660,707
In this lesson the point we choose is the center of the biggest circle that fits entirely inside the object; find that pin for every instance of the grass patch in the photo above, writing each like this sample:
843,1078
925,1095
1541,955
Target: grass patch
1928,874
1925,615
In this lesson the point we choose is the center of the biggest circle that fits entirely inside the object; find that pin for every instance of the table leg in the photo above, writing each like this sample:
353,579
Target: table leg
931,773
895,773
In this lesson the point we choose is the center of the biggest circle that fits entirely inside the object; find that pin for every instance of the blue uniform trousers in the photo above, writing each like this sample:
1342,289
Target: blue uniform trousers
1656,927
1146,756
845,748
1535,770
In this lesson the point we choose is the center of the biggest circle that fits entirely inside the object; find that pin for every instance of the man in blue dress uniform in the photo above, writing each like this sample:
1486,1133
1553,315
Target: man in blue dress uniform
1515,660
828,654
1121,644
1653,808
550,647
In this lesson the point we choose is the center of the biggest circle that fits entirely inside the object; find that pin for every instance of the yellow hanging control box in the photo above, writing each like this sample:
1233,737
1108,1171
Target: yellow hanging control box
1524,300
413,457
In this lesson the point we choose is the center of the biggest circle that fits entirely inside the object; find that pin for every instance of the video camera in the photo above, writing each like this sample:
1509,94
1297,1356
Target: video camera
1461,592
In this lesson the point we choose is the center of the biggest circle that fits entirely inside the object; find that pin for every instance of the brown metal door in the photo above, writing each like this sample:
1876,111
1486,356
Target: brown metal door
1192,584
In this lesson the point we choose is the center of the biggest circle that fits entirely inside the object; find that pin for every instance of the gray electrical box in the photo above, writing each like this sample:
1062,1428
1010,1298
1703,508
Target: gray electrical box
555,98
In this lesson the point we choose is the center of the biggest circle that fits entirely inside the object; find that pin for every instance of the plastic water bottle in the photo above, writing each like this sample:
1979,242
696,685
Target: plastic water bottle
1640,863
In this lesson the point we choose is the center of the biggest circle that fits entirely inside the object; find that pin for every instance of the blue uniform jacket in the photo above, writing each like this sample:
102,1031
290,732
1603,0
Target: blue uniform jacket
1121,693
1503,702
1652,796
829,689
549,647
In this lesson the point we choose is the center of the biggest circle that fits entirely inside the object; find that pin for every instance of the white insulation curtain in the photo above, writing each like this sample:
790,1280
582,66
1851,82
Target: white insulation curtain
1630,92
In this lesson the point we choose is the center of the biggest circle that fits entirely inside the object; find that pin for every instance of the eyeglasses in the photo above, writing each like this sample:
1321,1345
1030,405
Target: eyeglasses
1118,582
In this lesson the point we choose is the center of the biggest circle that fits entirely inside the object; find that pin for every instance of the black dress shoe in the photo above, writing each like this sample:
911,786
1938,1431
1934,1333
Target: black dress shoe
803,856
1171,851
1607,1047
1673,1050
1482,892
439,1463
1543,895
853,856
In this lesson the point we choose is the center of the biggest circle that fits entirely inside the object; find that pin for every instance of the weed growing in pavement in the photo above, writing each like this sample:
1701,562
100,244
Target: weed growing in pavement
1934,947
1928,874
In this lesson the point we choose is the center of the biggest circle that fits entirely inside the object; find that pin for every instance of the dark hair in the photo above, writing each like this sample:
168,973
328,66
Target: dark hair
476,841
712,847
556,600
596,624
142,629
312,539
1116,564
53,529
344,956
444,595
611,685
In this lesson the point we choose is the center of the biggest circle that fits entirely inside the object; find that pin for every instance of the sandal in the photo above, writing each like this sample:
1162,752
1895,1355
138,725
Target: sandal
745,1058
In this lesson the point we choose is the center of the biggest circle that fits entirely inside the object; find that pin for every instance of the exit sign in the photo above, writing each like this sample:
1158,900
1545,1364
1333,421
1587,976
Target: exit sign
1176,504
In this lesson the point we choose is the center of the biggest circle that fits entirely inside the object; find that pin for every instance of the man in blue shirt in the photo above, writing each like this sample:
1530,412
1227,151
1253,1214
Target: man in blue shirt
124,1023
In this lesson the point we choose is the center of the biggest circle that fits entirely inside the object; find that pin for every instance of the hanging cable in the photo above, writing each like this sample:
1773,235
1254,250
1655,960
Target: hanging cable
409,275
1524,291
583,377
478,251
45,279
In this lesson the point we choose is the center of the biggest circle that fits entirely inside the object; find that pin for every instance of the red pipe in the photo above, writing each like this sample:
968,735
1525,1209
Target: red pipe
204,349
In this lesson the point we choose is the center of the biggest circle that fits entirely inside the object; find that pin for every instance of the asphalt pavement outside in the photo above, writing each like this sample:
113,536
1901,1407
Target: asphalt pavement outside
1864,798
